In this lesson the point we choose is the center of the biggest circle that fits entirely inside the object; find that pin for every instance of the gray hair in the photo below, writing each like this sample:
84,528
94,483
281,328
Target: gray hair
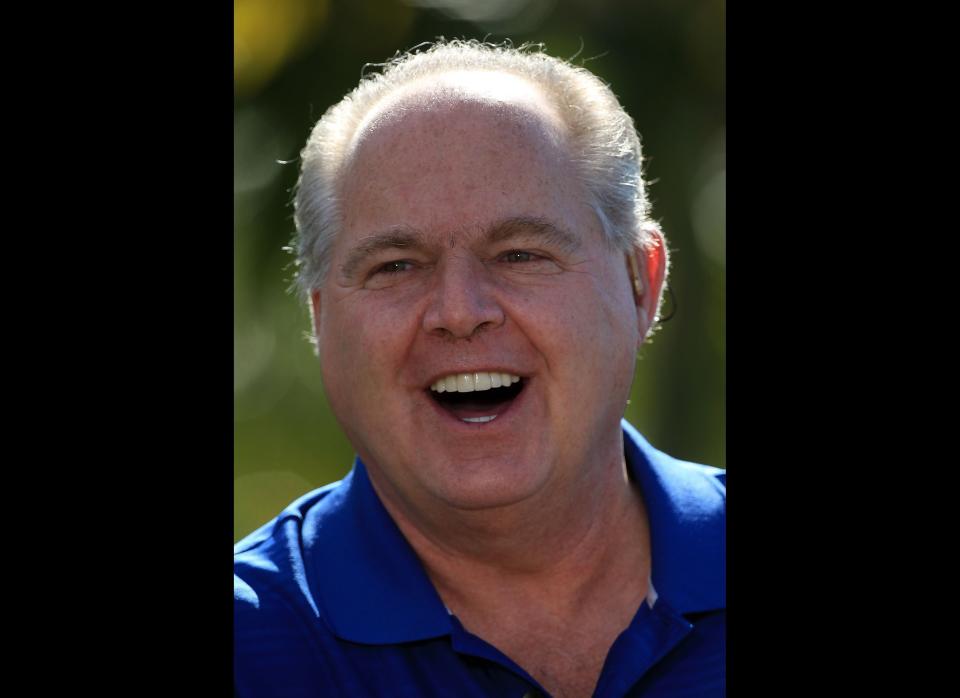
605,143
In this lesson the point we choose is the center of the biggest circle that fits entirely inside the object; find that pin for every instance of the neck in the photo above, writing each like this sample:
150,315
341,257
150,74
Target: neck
557,548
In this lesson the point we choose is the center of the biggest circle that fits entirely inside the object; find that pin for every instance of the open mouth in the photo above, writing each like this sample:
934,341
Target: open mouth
478,397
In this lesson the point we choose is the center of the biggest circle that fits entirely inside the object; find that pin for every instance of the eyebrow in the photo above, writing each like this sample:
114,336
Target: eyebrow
532,229
514,227
400,237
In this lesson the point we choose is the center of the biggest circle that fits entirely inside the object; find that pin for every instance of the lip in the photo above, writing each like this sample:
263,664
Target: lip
504,420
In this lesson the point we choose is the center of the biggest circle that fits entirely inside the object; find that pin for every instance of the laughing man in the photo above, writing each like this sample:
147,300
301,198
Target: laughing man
477,250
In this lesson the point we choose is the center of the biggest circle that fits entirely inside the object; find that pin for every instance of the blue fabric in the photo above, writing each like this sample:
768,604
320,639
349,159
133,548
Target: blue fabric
330,600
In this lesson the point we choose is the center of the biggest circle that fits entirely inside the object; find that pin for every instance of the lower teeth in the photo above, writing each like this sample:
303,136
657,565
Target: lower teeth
480,419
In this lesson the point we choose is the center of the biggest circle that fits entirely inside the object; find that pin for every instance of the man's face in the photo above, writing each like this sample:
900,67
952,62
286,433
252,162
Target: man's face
468,248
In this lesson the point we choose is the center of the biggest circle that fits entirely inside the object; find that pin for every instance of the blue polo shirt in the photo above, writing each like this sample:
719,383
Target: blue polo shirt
331,600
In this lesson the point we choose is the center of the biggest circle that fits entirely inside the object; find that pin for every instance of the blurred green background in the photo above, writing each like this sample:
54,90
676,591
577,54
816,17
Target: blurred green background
294,58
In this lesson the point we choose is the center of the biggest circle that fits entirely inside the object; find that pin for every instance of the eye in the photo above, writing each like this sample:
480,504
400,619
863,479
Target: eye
516,256
525,262
392,273
394,267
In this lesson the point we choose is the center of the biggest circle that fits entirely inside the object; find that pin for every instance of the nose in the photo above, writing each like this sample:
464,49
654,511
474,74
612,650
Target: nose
463,300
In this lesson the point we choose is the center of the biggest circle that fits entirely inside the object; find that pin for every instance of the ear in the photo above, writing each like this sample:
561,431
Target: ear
648,269
315,312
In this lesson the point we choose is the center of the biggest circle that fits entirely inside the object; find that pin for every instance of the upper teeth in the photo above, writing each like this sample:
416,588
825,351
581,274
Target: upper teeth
468,382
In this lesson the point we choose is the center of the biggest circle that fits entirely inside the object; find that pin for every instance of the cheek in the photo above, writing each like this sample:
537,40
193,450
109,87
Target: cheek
361,346
587,325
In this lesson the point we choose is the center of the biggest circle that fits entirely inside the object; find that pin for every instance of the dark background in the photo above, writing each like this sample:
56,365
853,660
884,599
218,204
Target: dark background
294,58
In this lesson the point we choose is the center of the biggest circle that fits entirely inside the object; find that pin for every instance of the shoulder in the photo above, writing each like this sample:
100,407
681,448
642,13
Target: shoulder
687,484
279,627
706,483
274,557
686,504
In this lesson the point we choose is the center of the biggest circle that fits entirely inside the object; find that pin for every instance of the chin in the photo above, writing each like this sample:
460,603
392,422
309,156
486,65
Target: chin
486,483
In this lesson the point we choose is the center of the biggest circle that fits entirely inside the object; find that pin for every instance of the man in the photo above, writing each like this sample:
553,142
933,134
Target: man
476,248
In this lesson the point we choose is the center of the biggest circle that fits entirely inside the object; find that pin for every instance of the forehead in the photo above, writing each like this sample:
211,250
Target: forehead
458,153
458,101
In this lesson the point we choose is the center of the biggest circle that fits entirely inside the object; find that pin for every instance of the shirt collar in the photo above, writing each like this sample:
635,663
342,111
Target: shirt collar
686,505
368,580
373,589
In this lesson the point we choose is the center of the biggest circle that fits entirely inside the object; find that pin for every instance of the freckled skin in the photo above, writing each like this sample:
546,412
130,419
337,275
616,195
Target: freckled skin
449,164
